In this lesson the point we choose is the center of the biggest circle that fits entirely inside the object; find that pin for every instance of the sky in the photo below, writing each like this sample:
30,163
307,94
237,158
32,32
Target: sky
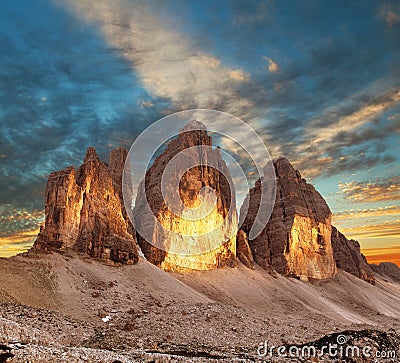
318,81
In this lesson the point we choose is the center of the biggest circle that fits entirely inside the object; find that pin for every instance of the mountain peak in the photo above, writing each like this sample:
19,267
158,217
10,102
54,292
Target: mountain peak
186,239
193,126
91,154
84,212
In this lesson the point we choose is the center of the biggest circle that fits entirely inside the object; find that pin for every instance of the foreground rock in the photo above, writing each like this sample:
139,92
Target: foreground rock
83,210
176,227
349,258
297,239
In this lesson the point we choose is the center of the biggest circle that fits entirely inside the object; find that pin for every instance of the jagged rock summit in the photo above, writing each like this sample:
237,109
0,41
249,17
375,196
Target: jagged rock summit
297,239
84,211
196,167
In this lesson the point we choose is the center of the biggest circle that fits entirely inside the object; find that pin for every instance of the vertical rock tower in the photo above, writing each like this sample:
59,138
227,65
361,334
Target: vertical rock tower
84,212
297,239
209,172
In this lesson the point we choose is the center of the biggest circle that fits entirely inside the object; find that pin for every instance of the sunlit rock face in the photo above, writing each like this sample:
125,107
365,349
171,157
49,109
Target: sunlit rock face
297,239
83,210
192,226
349,258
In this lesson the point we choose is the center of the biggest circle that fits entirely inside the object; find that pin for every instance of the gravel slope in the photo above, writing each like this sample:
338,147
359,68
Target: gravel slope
77,309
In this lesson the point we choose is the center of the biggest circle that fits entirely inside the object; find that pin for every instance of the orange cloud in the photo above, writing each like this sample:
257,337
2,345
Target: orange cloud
383,254
377,259
17,243
366,213
386,229
380,190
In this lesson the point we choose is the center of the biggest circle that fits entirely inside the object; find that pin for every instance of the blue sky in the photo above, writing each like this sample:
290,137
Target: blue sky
319,81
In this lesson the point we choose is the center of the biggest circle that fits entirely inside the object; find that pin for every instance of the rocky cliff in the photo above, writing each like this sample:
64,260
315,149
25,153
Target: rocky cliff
186,203
387,270
297,239
84,211
195,229
349,258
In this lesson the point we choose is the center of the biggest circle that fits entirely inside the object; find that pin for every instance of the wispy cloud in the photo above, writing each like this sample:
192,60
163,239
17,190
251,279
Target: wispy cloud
378,190
381,250
366,213
385,229
353,120
385,254
18,242
337,140
169,64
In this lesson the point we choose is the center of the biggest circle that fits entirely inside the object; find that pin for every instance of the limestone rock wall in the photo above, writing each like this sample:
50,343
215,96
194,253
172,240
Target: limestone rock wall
297,239
194,200
84,211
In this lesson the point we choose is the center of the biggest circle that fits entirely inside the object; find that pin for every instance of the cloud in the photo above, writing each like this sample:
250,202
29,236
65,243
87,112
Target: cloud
384,254
395,117
378,190
390,16
146,104
14,220
338,140
366,213
272,66
62,89
18,242
354,119
385,229
169,64
381,250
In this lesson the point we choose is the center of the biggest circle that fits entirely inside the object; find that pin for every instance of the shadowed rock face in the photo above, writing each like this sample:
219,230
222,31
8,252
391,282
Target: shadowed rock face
387,270
349,258
189,186
297,239
243,250
84,211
